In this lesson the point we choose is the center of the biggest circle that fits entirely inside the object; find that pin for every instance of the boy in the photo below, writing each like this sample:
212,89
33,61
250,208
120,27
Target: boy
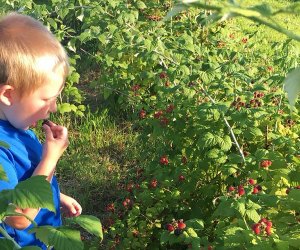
33,68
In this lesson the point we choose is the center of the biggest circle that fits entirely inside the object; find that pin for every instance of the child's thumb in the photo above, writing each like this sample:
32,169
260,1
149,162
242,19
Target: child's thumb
47,131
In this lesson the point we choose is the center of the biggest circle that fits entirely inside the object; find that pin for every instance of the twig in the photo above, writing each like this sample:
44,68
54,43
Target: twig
7,236
228,126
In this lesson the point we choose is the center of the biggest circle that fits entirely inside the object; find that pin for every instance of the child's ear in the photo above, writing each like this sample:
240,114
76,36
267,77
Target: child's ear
6,94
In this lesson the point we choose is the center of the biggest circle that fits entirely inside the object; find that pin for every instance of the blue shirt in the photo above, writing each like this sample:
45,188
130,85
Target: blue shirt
19,161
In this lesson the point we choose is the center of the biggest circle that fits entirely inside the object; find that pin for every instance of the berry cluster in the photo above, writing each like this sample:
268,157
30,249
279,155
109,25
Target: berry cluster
160,115
240,190
290,123
244,40
265,163
127,203
262,225
110,207
176,226
238,103
163,75
256,101
142,114
135,87
256,188
164,160
153,183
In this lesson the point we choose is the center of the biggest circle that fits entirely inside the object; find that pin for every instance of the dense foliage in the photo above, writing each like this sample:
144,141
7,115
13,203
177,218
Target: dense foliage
223,171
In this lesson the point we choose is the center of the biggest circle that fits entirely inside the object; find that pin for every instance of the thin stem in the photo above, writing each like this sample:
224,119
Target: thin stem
7,236
228,126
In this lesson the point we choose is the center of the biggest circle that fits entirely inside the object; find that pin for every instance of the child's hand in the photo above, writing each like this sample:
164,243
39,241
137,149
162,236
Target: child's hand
69,206
56,140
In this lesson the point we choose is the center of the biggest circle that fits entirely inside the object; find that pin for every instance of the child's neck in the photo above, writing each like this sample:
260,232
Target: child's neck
2,115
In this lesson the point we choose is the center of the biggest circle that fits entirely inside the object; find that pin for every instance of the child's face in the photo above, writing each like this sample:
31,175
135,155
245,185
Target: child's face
26,111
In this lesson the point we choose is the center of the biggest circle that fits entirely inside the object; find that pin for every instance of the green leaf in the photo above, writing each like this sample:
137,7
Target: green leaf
4,144
245,12
34,192
294,194
233,230
191,232
90,223
225,143
141,5
52,23
6,244
252,215
64,108
195,223
292,86
60,237
263,9
208,140
239,206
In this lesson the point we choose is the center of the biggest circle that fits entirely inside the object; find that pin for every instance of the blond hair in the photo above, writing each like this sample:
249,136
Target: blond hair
29,52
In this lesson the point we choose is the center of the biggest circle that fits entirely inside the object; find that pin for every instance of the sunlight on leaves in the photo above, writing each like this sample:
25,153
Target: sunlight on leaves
292,86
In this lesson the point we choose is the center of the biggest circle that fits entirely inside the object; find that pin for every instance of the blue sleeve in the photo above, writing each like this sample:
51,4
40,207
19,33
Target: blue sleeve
7,163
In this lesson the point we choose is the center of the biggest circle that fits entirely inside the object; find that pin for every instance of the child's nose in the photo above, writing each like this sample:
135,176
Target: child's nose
53,107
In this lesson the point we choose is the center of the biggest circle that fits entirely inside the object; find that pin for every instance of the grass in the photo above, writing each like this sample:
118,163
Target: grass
97,161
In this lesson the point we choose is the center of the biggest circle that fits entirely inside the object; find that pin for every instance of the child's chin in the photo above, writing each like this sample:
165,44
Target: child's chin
33,125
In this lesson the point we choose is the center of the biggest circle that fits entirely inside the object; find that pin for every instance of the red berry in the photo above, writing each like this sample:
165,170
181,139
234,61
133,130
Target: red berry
269,223
268,230
181,177
231,188
209,247
162,75
241,190
244,40
256,228
142,114
181,225
135,87
170,228
164,160
126,202
158,114
110,207
265,163
153,183
170,108
263,220
252,181
164,121
255,190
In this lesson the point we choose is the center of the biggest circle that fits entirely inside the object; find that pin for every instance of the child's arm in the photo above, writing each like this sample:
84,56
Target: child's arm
69,206
55,144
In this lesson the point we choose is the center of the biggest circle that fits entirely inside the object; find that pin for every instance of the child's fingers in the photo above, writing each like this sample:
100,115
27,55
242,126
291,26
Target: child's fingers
48,132
77,209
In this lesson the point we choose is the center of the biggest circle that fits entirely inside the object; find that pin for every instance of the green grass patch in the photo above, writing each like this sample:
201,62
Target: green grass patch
97,160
